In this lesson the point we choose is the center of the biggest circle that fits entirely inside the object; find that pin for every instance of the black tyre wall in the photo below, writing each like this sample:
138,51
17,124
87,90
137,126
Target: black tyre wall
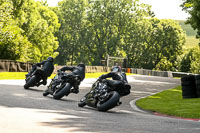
197,81
188,86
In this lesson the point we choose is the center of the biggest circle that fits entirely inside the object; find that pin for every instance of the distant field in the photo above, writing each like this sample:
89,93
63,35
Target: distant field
191,41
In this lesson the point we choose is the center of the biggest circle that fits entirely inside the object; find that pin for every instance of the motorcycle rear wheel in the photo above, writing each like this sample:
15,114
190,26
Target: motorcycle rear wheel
110,103
30,82
63,91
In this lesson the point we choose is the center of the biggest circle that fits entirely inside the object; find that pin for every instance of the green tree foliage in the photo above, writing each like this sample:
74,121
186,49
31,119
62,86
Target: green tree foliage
107,21
155,44
13,45
91,30
71,17
101,28
27,30
190,62
39,24
171,39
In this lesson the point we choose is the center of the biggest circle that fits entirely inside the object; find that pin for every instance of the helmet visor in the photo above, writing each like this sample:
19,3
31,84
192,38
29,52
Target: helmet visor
116,69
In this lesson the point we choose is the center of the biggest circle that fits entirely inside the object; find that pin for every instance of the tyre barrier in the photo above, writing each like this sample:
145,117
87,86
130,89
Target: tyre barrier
197,81
188,86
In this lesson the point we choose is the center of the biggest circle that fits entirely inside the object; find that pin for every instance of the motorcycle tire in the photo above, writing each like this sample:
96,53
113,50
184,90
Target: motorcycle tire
82,102
110,103
63,91
30,82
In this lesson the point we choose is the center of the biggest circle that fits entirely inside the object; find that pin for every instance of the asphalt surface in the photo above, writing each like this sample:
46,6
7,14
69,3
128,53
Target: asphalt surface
23,111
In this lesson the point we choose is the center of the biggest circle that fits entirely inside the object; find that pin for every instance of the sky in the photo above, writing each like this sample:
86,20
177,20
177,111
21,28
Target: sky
163,9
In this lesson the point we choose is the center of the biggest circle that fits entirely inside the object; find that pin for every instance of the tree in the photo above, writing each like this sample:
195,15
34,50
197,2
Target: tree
13,45
170,38
154,42
39,24
27,30
190,62
136,32
107,23
71,16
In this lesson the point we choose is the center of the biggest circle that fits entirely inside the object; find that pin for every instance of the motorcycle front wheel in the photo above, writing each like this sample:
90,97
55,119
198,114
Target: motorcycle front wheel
58,94
45,93
30,82
110,103
82,102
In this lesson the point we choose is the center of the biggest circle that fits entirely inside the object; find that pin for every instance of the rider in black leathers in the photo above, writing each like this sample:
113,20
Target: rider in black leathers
76,70
119,82
47,68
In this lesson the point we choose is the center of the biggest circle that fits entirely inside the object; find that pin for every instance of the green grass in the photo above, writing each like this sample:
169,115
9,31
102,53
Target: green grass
12,75
21,75
170,102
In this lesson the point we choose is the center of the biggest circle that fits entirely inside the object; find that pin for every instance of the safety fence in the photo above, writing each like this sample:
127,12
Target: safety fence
14,66
156,73
90,69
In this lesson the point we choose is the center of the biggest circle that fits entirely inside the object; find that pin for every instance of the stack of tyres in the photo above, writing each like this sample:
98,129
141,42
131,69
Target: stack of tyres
197,80
188,86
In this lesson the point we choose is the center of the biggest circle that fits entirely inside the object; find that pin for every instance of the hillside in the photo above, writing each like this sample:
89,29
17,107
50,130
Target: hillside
187,27
191,40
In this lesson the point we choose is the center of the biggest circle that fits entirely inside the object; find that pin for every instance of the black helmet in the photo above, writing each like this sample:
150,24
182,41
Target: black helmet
116,69
81,65
50,59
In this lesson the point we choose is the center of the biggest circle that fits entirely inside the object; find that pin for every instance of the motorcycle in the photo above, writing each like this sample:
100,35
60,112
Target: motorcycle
34,79
62,84
101,97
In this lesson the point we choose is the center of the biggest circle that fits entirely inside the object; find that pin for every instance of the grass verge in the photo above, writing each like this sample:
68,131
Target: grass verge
170,102
21,75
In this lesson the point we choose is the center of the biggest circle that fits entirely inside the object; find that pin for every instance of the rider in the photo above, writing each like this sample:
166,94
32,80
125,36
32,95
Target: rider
76,70
47,68
119,81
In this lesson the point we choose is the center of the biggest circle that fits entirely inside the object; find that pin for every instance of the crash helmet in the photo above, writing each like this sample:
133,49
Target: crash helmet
50,59
116,69
81,65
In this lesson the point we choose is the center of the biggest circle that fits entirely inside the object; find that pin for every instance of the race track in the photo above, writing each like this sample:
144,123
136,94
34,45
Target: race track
24,111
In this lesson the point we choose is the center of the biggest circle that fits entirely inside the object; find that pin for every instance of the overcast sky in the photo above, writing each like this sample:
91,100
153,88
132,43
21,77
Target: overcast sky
163,9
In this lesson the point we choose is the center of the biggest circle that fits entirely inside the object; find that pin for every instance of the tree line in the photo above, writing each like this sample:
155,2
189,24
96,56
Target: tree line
89,30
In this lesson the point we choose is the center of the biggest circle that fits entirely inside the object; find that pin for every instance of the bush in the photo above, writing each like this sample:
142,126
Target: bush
191,61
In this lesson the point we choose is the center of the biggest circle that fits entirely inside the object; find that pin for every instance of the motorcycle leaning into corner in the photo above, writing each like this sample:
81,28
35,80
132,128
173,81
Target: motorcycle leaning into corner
101,96
34,79
61,85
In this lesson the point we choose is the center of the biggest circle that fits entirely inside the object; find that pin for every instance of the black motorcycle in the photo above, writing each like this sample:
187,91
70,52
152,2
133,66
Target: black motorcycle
101,97
62,84
34,79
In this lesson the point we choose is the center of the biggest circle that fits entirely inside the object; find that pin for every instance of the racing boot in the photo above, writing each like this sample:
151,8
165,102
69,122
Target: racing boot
119,103
75,89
